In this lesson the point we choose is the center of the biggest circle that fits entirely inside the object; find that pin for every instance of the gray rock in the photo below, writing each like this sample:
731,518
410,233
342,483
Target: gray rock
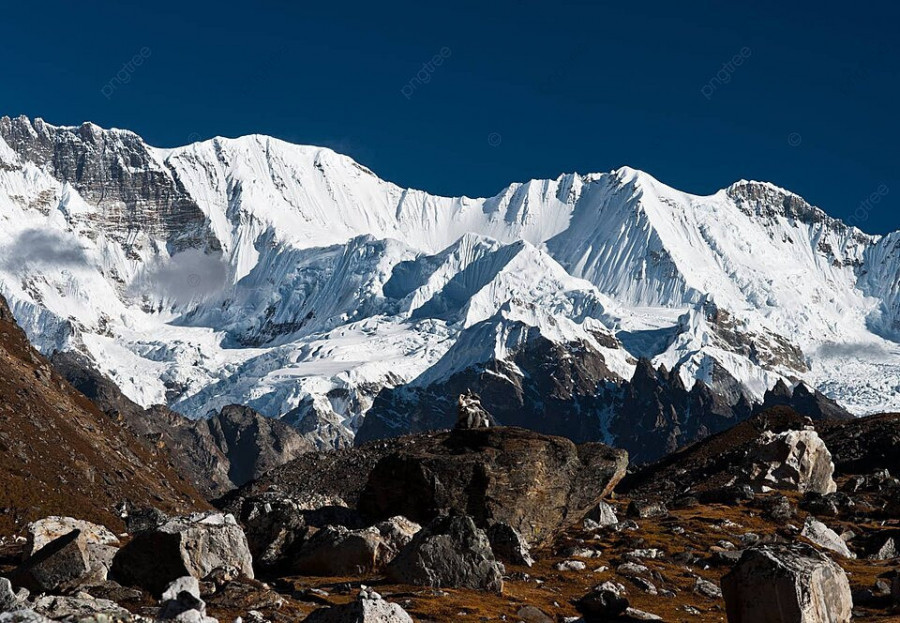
470,413
396,533
59,565
707,589
570,565
644,509
192,545
78,607
786,583
823,536
888,551
369,607
450,552
602,603
339,551
508,545
604,515
39,533
8,600
530,614
795,460
181,602
24,615
641,615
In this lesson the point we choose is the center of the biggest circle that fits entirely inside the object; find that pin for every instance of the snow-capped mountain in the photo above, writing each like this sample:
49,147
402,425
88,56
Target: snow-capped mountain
294,280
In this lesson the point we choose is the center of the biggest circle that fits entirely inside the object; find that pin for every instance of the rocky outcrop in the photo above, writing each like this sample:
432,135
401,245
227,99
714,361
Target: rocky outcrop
224,451
369,607
543,386
470,413
805,401
508,545
192,545
137,197
450,552
786,583
534,483
794,460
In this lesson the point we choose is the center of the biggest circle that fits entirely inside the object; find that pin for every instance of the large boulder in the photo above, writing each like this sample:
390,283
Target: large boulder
39,533
534,483
793,583
60,565
795,460
450,552
369,607
339,551
191,545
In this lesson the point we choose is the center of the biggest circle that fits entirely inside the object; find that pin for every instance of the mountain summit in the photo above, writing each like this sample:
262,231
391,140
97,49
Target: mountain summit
293,280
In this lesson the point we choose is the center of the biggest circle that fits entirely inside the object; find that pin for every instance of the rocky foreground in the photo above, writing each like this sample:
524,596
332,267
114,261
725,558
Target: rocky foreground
773,520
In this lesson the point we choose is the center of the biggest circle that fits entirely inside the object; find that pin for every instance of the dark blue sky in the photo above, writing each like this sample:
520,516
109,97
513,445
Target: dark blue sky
527,89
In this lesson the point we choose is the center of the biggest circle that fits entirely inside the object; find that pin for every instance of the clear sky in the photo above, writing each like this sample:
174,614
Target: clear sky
525,88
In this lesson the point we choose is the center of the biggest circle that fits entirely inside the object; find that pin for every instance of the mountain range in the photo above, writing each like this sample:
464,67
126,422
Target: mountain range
292,280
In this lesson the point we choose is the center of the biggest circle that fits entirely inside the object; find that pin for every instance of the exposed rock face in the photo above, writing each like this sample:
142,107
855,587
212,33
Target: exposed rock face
59,565
649,415
786,583
534,483
114,171
803,400
796,460
508,545
450,552
193,545
544,386
369,607
339,552
657,414
48,430
225,451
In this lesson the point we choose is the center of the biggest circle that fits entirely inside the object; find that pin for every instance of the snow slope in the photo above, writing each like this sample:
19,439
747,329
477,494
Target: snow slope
255,271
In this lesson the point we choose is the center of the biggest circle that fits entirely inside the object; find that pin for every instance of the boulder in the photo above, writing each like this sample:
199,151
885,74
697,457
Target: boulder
603,603
193,545
535,483
793,583
79,607
823,536
369,607
604,515
181,602
39,533
339,551
645,509
508,545
450,552
277,525
60,565
8,599
795,460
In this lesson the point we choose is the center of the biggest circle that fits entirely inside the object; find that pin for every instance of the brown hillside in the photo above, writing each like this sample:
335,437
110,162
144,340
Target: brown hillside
59,455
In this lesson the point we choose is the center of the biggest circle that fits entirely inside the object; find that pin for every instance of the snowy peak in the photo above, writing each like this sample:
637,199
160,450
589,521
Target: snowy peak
281,276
